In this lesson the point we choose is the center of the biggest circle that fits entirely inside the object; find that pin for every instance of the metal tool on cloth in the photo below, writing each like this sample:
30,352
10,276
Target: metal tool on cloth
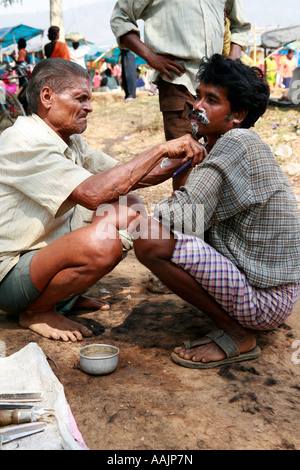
16,413
20,397
11,433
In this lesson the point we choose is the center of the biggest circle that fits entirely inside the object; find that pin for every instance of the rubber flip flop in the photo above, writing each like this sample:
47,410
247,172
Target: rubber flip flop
225,343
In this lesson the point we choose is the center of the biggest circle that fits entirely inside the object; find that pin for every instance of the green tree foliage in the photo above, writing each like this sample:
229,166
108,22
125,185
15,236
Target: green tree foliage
6,3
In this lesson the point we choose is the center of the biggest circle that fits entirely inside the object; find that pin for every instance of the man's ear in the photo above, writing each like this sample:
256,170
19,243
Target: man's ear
238,117
46,97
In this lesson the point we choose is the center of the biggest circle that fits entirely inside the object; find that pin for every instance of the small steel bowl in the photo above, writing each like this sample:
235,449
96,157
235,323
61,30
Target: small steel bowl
99,359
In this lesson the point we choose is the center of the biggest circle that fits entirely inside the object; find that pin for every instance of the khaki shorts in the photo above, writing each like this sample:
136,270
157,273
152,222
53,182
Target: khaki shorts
175,104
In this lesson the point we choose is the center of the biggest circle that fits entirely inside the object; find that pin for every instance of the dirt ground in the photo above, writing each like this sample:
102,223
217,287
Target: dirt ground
150,403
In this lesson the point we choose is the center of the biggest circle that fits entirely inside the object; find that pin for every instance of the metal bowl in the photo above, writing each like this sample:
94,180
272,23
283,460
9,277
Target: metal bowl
99,359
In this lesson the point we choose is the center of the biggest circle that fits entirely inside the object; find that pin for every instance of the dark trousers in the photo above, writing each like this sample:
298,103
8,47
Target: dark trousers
128,73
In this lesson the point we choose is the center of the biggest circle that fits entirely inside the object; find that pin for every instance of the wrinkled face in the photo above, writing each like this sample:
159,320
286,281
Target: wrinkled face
68,112
215,117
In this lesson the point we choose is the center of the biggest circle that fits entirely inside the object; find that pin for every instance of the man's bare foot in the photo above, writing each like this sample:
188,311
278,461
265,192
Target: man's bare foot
88,303
211,352
53,325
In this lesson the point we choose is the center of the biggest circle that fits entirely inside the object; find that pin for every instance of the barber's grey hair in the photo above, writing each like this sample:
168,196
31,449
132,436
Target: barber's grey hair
55,73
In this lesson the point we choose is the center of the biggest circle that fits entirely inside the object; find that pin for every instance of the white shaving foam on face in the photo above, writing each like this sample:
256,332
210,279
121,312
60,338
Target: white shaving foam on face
199,115
194,128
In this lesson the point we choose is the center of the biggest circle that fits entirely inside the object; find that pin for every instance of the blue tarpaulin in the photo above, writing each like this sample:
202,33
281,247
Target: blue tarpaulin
111,54
11,34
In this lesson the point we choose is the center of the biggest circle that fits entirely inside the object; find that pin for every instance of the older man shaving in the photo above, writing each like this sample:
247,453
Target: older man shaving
47,172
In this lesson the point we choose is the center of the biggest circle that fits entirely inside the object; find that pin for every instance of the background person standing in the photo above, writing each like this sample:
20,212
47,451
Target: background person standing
177,35
56,48
78,54
271,71
288,65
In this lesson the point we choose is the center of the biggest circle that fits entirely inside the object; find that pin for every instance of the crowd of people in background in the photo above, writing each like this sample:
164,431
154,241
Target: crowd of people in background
280,68
108,76
126,75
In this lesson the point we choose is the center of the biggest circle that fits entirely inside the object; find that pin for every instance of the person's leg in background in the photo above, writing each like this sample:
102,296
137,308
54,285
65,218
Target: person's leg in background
128,73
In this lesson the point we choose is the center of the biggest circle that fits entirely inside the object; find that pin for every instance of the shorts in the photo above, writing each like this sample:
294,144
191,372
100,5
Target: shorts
16,289
251,307
175,104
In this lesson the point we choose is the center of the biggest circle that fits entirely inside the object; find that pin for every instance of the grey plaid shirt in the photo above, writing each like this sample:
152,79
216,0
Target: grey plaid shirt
250,212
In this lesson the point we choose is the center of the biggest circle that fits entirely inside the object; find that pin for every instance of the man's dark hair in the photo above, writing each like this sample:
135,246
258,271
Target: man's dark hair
246,86
56,73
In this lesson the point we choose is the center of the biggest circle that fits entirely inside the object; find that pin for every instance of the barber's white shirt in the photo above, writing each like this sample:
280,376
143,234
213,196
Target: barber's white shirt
38,172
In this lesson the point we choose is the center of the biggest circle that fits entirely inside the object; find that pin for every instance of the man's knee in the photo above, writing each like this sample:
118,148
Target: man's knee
132,199
104,246
122,213
152,242
145,249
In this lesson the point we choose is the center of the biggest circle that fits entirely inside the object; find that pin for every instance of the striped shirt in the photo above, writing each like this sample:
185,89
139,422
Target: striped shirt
250,211
38,172
186,29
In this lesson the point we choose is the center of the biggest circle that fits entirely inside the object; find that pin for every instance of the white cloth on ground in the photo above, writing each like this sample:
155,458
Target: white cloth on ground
28,371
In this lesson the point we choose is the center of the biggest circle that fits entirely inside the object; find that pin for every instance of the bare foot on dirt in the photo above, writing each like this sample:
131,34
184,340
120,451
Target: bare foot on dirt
53,325
88,303
211,352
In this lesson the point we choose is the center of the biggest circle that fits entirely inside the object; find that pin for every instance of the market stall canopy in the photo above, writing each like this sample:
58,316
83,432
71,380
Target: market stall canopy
280,37
12,34
111,54
9,36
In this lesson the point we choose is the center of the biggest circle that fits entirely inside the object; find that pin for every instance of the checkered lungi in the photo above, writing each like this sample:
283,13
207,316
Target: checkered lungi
261,309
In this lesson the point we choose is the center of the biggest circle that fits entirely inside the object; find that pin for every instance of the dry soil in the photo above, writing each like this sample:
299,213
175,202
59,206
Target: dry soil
150,403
